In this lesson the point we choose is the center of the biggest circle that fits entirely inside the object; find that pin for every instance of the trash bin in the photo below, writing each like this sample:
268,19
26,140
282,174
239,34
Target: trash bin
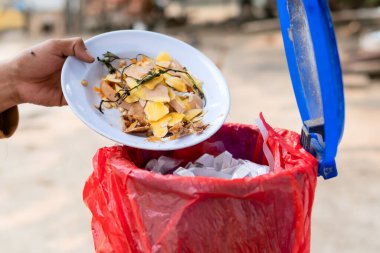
135,210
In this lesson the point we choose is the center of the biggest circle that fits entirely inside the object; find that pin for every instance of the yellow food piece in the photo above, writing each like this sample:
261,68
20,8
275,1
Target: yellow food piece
171,94
190,114
199,117
131,82
174,137
177,83
119,90
189,82
175,118
107,105
153,83
113,78
166,76
186,103
163,56
198,83
131,127
138,92
160,127
154,139
155,110
131,99
158,94
186,79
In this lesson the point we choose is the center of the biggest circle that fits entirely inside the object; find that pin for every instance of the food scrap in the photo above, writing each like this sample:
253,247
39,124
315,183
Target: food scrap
84,83
157,97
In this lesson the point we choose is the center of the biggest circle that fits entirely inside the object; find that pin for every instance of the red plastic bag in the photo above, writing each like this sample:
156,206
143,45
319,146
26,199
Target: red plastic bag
135,210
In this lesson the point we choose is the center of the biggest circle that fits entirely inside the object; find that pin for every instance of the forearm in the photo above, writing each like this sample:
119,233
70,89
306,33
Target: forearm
8,93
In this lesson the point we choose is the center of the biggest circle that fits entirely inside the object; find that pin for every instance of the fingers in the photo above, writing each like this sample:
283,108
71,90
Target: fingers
74,47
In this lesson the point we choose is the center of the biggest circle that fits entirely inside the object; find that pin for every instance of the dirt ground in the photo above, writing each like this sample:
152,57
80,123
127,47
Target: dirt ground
45,164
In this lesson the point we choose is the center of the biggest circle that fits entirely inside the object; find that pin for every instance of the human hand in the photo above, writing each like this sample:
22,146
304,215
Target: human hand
36,72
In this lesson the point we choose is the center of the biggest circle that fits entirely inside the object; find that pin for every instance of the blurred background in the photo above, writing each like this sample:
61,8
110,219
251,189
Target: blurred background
43,167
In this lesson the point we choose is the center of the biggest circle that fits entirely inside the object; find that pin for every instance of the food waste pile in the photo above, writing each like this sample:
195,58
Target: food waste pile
157,97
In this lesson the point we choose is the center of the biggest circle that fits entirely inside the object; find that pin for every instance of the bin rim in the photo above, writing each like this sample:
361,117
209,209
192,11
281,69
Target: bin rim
123,160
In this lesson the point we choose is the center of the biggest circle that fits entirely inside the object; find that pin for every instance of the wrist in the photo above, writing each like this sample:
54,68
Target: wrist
8,91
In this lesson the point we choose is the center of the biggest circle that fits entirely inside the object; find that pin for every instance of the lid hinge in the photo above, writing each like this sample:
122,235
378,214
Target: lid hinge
312,139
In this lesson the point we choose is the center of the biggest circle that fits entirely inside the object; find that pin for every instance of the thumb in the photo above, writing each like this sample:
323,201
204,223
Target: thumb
75,47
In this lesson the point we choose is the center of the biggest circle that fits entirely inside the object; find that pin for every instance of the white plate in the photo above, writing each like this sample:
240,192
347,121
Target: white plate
129,43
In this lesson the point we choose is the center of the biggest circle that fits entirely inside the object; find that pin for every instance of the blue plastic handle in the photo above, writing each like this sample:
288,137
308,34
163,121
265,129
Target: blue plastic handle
315,70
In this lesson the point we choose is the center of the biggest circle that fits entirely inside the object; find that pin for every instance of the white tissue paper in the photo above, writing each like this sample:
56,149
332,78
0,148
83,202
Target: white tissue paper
163,164
222,166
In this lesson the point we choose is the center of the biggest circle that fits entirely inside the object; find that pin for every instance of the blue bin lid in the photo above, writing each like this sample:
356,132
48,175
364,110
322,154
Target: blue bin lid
315,70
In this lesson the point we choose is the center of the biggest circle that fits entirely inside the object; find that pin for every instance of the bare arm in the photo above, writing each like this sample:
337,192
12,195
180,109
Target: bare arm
34,76
8,93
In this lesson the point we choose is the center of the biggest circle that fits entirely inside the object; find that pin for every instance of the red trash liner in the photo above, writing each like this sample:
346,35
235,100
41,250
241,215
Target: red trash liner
139,211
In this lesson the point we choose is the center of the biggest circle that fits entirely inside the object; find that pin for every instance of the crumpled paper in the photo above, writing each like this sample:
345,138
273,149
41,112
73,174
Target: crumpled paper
221,166
163,164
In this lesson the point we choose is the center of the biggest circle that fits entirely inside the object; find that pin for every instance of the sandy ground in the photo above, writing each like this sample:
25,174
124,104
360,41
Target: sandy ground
44,166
